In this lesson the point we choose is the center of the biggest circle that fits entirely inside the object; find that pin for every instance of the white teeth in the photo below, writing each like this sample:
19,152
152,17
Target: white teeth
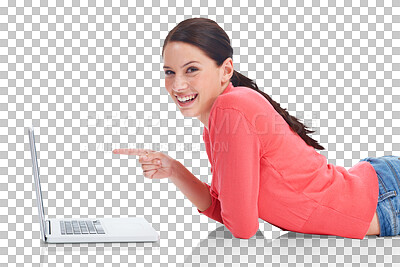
186,98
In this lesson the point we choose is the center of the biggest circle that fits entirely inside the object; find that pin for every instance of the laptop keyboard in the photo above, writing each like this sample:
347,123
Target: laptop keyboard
81,227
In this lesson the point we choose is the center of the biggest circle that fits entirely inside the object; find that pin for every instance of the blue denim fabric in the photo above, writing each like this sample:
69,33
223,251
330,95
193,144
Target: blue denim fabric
388,210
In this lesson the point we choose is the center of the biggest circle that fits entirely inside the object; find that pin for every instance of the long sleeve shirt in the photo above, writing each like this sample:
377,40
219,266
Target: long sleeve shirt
261,168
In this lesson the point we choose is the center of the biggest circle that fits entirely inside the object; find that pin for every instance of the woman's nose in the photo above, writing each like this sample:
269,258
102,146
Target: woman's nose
179,84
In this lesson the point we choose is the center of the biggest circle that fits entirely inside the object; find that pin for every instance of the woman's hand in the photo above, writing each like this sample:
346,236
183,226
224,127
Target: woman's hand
155,164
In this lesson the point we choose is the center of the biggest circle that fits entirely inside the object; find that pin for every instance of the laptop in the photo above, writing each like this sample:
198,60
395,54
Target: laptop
87,230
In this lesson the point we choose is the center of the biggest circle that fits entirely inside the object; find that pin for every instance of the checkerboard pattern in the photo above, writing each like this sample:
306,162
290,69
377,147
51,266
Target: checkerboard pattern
88,75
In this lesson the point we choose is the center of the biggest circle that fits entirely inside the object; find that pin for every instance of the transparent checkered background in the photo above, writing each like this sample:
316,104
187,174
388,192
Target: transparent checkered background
88,75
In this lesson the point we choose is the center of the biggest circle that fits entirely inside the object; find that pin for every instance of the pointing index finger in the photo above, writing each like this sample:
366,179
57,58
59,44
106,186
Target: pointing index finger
131,151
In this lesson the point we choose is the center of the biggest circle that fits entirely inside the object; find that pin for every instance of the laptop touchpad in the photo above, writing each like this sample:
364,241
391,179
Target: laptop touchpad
125,228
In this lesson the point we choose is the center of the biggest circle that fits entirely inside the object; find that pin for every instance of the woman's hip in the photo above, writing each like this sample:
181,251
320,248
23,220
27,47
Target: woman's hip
387,169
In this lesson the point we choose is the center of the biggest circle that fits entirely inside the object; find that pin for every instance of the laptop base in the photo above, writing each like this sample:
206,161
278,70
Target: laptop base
132,229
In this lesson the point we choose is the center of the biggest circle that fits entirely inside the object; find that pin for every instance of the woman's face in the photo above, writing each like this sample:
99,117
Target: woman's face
190,72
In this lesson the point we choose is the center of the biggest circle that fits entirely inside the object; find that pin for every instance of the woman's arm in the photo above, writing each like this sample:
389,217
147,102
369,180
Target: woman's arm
237,152
194,189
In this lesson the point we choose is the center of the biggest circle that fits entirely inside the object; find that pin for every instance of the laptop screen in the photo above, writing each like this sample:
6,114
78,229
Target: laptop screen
35,168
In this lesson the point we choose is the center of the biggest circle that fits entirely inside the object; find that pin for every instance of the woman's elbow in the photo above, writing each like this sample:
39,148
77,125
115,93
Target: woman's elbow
244,234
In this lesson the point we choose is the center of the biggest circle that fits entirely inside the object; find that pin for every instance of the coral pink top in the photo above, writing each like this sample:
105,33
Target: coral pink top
262,169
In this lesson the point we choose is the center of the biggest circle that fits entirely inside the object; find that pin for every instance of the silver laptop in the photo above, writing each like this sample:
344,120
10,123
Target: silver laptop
87,230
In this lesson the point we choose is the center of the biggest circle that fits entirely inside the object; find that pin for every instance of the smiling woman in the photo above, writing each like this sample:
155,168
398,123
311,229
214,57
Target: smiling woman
263,163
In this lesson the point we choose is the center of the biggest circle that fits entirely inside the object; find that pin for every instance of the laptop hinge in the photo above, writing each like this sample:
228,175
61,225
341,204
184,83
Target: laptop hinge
48,227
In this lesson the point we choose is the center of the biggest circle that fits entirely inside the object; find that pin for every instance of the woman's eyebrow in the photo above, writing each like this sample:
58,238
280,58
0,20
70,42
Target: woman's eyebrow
193,61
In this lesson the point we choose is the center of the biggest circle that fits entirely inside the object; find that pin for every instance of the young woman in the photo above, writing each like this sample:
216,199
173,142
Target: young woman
262,161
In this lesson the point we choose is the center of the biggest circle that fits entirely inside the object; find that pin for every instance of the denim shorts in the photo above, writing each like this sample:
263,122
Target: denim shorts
388,209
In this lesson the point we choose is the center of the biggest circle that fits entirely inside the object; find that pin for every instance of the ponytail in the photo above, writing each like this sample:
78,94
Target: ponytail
294,123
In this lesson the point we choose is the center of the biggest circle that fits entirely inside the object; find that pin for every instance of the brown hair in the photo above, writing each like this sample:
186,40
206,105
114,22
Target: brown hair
208,36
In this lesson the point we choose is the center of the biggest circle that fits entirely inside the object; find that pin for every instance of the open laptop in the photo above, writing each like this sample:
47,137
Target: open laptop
87,230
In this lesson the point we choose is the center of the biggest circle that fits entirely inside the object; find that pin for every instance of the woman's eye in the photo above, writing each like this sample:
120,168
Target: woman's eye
191,69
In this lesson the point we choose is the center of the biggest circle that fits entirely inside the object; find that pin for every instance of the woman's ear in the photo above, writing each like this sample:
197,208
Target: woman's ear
226,70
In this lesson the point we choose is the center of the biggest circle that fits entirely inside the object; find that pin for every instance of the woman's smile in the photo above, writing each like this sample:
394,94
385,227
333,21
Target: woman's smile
186,101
